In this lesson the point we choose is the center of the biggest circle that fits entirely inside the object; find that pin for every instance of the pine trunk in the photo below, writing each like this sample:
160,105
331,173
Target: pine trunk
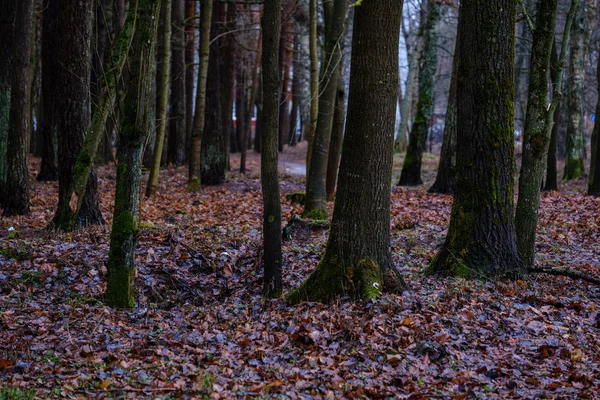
16,190
135,122
481,239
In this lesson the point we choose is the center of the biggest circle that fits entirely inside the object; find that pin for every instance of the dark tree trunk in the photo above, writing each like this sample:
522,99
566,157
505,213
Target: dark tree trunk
228,75
481,241
536,136
551,169
258,131
284,65
240,109
72,107
16,191
296,92
411,169
444,180
316,195
123,237
357,261
213,142
271,26
594,183
190,51
337,136
6,51
177,101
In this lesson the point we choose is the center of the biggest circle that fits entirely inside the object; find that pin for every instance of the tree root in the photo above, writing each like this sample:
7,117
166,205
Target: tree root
569,273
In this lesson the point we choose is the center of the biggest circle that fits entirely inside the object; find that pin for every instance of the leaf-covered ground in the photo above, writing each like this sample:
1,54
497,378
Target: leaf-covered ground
202,330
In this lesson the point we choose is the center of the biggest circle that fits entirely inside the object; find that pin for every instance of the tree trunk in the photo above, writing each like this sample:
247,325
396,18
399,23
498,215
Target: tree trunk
538,127
123,237
316,195
594,183
8,8
444,180
190,70
314,80
284,65
411,169
296,92
228,75
271,26
72,107
551,169
240,108
16,191
481,239
162,103
206,11
337,136
177,101
357,261
575,144
258,131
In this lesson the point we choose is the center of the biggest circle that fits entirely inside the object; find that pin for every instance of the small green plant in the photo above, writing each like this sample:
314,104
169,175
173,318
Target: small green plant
13,235
31,278
9,393
319,214
20,253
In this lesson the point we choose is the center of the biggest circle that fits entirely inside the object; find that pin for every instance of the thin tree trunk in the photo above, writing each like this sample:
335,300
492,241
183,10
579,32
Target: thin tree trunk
316,195
16,192
296,96
594,182
177,100
200,111
228,74
538,125
551,169
284,65
337,136
258,131
411,169
357,261
481,239
314,80
411,81
123,237
162,103
271,26
240,108
190,70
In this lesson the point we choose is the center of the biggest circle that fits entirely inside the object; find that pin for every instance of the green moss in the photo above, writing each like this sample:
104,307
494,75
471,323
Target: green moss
119,290
317,214
319,224
573,168
149,226
31,278
296,198
13,235
83,163
10,393
124,224
21,253
193,185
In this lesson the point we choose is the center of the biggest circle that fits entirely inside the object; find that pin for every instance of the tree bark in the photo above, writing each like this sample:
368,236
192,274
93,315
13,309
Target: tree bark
228,74
316,195
337,136
6,51
594,182
481,239
411,169
123,237
314,80
190,70
16,190
177,100
162,103
284,65
206,11
357,261
72,104
240,108
538,128
551,182
271,26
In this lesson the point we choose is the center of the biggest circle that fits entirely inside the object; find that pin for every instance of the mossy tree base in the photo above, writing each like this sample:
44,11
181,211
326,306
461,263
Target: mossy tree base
573,169
334,279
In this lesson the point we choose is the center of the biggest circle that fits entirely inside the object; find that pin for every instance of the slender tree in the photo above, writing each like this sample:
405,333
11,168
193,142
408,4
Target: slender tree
162,103
538,123
551,182
190,69
411,169
481,240
357,261
177,100
594,183
6,51
229,63
271,27
135,122
16,189
337,136
316,195
314,80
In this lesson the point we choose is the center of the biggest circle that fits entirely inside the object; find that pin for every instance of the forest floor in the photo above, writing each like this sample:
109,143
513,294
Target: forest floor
202,330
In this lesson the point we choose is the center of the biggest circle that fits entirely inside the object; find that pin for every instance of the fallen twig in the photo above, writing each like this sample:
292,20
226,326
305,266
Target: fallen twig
569,273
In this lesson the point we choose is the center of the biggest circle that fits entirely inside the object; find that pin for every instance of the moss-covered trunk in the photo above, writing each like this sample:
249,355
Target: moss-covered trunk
481,239
357,261
594,183
161,116
7,7
176,150
444,180
135,123
538,127
16,188
206,10
411,169
316,195
271,27
337,136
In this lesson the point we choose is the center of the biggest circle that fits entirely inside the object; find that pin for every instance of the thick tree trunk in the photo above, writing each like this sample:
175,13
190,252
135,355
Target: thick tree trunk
16,190
162,103
6,51
190,70
444,180
316,195
551,169
594,183
337,136
123,237
357,261
200,109
213,142
177,100
411,169
271,26
72,108
481,239
575,144
538,127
